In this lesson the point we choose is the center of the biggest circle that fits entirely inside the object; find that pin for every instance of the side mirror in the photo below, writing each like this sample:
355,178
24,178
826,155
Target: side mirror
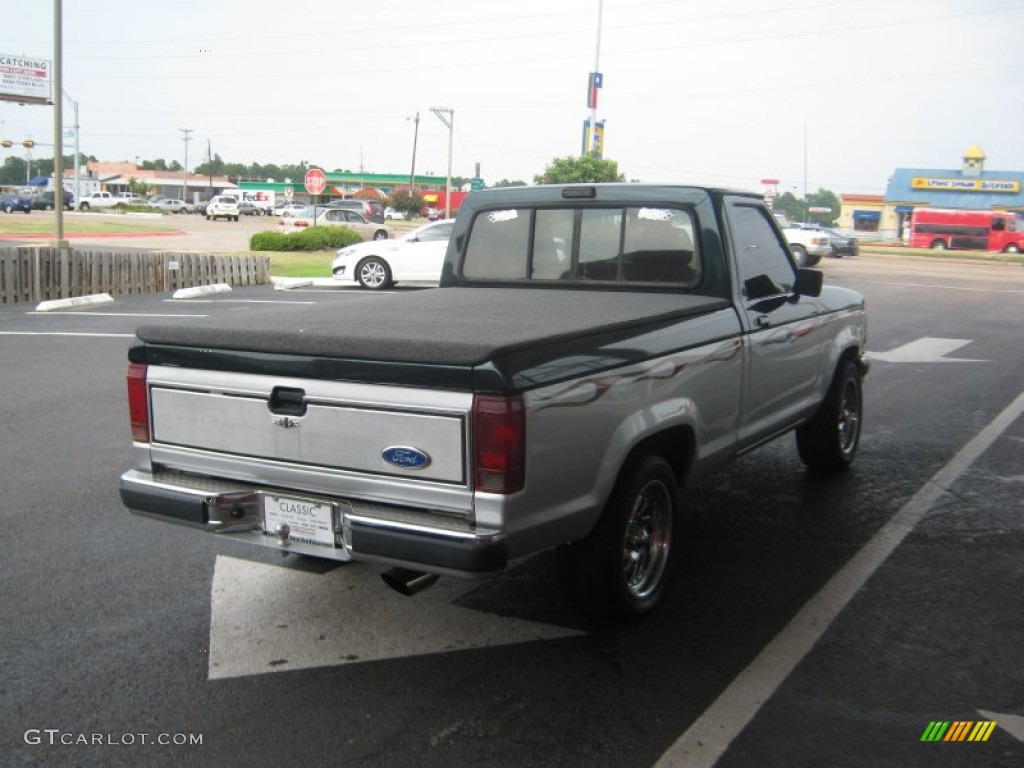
809,282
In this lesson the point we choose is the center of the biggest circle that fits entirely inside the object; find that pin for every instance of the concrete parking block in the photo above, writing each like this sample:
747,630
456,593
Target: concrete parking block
77,301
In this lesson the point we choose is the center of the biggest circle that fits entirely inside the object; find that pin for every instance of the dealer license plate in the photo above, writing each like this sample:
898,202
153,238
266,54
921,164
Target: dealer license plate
307,520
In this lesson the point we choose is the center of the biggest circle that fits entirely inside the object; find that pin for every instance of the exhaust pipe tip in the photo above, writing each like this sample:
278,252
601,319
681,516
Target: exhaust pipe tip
407,582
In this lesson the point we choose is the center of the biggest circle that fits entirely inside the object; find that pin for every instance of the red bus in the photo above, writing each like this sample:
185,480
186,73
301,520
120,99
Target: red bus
943,228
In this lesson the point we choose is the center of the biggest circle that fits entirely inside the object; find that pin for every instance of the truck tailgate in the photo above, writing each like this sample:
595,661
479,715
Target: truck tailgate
346,427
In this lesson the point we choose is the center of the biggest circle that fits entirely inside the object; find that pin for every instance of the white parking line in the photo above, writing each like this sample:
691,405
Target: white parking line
59,333
113,314
707,739
929,286
232,301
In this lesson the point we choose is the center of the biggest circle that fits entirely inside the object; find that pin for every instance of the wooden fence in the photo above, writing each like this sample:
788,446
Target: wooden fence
41,274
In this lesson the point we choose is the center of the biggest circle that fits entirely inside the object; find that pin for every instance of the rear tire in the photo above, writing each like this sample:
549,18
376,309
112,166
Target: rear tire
828,442
939,245
622,569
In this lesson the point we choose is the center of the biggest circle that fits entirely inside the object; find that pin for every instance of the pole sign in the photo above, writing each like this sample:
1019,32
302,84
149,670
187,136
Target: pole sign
316,182
25,79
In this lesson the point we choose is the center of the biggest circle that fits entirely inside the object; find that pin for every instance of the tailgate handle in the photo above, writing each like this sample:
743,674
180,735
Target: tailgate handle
287,401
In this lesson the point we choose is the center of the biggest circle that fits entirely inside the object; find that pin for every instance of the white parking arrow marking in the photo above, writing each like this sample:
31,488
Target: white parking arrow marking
926,350
270,619
1012,724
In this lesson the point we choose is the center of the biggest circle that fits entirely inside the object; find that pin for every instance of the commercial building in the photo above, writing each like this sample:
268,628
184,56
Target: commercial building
970,187
346,184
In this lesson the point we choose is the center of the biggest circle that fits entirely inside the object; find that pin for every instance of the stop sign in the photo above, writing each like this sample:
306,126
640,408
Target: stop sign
316,182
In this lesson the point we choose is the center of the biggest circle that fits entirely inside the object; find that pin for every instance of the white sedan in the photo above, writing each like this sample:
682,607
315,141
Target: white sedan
336,217
289,209
414,257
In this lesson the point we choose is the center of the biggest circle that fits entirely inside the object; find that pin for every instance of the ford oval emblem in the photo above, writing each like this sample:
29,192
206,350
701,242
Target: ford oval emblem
405,457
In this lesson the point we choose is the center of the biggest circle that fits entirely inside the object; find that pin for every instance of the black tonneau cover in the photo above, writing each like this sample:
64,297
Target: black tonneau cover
444,326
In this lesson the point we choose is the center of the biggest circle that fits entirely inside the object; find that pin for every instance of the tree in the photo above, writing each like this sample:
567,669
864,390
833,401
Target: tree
823,198
507,183
13,171
789,205
214,167
406,200
576,170
139,188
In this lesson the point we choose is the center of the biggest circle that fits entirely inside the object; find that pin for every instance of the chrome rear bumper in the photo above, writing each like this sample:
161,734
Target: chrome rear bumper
396,536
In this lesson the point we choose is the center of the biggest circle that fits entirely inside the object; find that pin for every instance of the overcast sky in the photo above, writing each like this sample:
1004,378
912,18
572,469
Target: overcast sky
723,92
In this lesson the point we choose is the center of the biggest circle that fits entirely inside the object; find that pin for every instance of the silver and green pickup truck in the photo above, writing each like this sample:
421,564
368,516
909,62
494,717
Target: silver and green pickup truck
591,351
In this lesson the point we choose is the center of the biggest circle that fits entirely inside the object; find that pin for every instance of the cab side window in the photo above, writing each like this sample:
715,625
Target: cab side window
764,266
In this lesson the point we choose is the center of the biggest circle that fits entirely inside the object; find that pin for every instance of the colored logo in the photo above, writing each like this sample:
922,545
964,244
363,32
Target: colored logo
405,457
958,730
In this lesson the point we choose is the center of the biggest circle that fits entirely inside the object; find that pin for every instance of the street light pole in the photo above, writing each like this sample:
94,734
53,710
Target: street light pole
74,106
447,116
597,68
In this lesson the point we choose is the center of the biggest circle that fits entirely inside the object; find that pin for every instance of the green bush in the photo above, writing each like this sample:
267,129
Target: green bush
311,239
269,241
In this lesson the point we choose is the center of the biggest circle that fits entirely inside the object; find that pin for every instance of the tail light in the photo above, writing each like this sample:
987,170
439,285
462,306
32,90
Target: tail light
301,223
499,444
138,402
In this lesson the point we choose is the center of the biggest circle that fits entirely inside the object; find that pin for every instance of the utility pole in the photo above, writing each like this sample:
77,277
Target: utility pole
447,116
415,139
58,127
209,165
184,176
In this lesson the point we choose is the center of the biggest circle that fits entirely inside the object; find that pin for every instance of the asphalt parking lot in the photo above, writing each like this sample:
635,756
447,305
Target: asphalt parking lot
812,623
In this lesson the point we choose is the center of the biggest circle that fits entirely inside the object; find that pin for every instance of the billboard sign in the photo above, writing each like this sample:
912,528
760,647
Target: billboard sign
25,79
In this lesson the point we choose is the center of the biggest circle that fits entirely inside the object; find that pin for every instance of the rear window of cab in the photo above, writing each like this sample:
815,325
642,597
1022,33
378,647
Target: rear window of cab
639,245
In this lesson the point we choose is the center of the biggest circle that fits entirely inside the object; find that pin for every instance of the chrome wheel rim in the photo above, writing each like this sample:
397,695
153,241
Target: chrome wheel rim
372,274
849,417
647,540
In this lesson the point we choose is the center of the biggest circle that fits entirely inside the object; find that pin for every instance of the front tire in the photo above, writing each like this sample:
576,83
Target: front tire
800,255
828,442
939,245
1012,248
85,207
380,234
621,570
373,274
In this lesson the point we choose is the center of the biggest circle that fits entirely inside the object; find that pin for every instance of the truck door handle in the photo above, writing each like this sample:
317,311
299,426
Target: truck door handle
287,401
762,321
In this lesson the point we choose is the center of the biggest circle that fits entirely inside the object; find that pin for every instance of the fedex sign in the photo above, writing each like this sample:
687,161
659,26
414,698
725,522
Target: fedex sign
263,198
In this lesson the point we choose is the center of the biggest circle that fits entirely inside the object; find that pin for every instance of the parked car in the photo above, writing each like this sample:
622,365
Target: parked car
371,210
250,209
391,213
139,201
15,201
289,209
336,217
222,207
44,201
842,245
413,257
173,205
